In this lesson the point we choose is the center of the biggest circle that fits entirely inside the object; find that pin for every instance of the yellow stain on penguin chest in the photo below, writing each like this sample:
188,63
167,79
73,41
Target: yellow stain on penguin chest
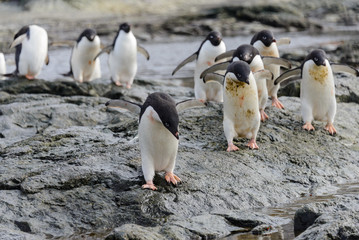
319,73
233,87
249,113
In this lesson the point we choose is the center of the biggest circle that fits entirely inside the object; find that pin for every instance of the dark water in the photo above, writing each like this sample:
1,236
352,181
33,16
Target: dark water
286,231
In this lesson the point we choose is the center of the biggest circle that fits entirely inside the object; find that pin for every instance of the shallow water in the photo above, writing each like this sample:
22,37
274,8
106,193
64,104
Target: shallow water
165,56
286,231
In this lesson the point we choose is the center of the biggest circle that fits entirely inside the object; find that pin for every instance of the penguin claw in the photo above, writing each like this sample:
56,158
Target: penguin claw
308,127
276,103
232,147
170,177
330,128
128,85
30,77
264,116
118,84
252,144
149,186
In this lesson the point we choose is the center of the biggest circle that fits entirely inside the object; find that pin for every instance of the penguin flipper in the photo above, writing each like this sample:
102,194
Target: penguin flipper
18,40
276,61
190,103
47,59
283,41
213,77
288,74
263,74
107,49
215,67
337,67
130,106
143,51
225,55
184,62
290,80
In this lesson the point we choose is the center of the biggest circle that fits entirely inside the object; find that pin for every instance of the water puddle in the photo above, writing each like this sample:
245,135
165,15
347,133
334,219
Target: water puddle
286,231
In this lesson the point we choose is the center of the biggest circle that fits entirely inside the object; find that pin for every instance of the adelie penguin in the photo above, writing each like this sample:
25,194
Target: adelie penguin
209,49
83,67
31,54
2,65
250,55
266,44
241,117
317,89
122,59
158,133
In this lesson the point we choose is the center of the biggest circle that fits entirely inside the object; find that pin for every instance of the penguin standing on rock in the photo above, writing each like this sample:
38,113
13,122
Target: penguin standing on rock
209,49
241,117
266,44
250,55
83,67
123,56
2,65
31,45
317,89
158,133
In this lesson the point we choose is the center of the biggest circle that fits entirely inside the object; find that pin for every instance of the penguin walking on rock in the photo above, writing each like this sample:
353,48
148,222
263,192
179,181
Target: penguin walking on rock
241,117
158,133
83,67
317,89
256,62
209,49
266,44
123,56
31,45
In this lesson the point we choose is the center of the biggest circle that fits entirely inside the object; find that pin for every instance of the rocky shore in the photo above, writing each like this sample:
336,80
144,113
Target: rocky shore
71,169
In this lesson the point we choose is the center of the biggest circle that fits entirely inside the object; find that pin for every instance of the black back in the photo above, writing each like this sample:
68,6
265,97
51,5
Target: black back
265,36
245,52
124,27
89,33
165,107
240,69
18,48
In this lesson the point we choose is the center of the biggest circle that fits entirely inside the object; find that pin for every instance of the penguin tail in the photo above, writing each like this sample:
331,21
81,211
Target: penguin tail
68,74
13,74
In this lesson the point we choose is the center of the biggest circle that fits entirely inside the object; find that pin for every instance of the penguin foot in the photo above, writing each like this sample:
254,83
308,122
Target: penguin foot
330,128
149,185
264,116
118,84
30,77
252,144
170,177
276,103
308,126
232,147
128,85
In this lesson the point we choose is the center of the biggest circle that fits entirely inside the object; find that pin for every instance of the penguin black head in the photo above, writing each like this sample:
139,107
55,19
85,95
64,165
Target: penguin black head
125,27
318,56
23,30
89,33
241,71
245,53
165,108
214,37
265,36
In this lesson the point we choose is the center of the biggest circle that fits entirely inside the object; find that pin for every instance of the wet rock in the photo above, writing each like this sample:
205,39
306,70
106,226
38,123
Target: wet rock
304,218
336,219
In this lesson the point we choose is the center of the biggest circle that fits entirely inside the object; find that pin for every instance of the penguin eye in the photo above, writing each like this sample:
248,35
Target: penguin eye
211,36
239,76
241,55
316,59
251,55
264,37
167,124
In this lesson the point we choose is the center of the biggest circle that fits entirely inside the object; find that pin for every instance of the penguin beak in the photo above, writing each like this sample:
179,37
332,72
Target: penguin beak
177,135
274,40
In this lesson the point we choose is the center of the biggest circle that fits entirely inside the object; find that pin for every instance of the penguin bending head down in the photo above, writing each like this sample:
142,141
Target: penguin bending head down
209,49
158,133
83,67
122,59
250,55
267,45
31,45
241,117
317,89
